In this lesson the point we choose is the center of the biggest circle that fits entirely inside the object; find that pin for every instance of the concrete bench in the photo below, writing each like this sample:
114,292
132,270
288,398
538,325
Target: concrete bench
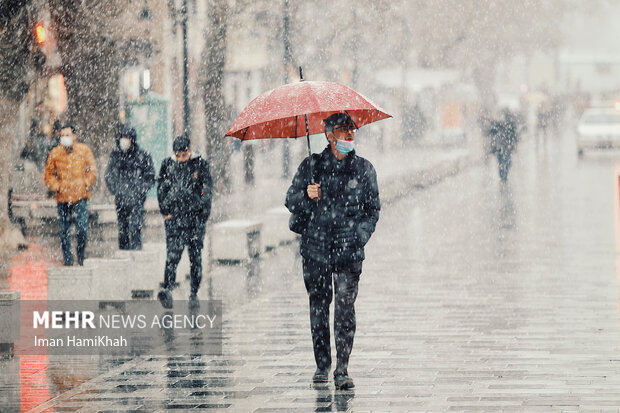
143,273
9,322
43,208
106,213
236,240
110,278
47,208
69,283
275,230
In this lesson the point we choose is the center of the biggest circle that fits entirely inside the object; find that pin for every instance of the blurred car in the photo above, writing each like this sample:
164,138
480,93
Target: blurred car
598,128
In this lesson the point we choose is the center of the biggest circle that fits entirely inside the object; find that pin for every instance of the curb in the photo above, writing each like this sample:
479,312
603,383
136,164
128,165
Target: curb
398,186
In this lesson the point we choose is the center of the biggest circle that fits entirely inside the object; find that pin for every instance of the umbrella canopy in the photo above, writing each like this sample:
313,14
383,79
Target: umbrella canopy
281,112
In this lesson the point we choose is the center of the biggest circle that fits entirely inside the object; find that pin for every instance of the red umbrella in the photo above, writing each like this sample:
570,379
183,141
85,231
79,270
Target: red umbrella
298,109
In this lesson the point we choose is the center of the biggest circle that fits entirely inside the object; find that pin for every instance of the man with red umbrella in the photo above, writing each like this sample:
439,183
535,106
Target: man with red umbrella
334,198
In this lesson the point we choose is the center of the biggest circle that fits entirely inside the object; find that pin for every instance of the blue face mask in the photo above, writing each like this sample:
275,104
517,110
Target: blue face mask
344,147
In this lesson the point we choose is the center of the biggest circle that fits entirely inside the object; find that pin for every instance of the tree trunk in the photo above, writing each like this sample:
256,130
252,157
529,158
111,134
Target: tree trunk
16,76
92,91
10,236
248,163
287,59
91,66
213,60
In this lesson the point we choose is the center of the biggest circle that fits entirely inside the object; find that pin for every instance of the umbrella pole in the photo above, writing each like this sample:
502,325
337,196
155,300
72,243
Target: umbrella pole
309,150
301,79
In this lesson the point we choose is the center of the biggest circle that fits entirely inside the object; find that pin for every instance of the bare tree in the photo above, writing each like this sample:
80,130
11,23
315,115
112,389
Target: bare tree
476,36
213,61
88,46
472,36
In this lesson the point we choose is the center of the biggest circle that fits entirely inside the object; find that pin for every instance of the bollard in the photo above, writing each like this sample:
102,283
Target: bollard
69,283
9,322
159,250
275,231
109,278
236,241
144,271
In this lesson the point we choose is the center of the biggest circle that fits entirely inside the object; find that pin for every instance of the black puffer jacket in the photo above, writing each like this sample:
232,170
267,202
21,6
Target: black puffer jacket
504,134
130,174
184,191
344,218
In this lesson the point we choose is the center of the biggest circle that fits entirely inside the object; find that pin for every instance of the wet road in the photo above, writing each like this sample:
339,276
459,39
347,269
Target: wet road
503,297
475,296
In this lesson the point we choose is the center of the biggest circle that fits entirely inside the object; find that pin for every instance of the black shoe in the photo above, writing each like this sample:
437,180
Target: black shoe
193,300
165,298
343,382
320,375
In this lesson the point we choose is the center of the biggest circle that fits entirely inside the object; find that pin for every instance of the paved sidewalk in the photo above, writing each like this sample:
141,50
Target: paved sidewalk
498,315
475,297
255,358
429,348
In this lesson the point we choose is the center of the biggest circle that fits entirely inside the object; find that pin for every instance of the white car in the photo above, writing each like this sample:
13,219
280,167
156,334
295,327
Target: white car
598,128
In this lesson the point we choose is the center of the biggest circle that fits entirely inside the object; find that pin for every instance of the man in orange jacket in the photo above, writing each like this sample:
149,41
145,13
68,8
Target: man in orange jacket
70,174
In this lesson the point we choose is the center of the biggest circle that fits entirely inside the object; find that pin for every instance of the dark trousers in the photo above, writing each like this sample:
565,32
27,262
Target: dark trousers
177,238
66,211
318,280
130,219
503,162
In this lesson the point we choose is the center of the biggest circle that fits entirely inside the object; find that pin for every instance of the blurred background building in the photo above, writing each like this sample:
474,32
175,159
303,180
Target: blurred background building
172,66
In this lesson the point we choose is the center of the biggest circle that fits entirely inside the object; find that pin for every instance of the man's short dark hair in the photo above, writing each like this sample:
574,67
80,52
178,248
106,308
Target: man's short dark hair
181,144
126,131
69,126
338,119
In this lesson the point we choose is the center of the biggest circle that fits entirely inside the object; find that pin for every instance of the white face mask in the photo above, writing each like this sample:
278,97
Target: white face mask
66,141
125,144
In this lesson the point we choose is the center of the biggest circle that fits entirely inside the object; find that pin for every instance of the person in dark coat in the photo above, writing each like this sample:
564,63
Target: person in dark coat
336,198
54,139
184,194
504,135
129,176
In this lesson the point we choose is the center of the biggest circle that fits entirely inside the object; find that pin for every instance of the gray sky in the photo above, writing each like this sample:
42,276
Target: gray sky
593,26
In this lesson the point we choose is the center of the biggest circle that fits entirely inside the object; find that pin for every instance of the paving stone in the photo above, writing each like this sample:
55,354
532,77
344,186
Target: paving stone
486,303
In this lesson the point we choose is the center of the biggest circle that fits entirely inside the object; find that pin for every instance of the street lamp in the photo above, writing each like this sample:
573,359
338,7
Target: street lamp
288,61
186,119
180,8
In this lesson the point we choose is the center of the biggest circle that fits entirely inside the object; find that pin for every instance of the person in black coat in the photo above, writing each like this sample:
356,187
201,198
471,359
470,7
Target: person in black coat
334,199
184,194
504,135
129,176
